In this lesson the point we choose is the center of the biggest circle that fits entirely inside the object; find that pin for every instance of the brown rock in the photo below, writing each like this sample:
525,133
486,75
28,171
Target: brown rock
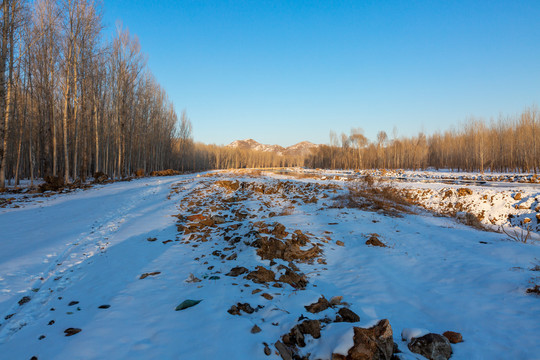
348,315
374,241
261,275
453,337
321,305
310,327
284,351
375,343
340,243
518,196
464,192
235,309
294,279
267,296
267,350
432,346
255,329
238,270
72,331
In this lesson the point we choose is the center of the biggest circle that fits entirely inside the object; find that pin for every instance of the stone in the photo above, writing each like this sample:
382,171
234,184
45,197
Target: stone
348,315
518,196
340,243
72,331
294,279
453,337
374,241
321,305
24,300
187,304
375,343
336,300
238,270
104,306
235,309
267,296
432,346
73,303
255,329
261,275
267,350
284,351
464,192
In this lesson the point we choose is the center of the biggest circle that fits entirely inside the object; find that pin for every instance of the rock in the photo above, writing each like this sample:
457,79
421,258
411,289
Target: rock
297,281
235,309
72,331
145,275
261,275
192,279
238,270
104,306
255,329
432,346
267,350
73,303
336,300
279,230
284,351
375,343
187,304
348,315
374,241
518,196
41,337
321,305
310,327
453,337
340,243
267,296
464,192
151,239
24,300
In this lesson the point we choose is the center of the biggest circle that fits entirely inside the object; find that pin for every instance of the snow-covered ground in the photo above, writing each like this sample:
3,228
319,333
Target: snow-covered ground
92,246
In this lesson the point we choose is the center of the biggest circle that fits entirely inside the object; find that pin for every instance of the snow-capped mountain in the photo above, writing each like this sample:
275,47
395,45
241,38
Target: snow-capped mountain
301,149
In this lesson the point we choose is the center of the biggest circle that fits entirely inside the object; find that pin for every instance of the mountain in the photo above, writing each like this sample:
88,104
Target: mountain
301,149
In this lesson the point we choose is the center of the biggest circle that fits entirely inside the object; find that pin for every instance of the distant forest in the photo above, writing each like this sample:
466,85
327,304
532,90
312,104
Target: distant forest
73,104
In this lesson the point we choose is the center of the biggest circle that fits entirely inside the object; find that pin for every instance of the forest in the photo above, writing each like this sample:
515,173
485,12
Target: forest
74,103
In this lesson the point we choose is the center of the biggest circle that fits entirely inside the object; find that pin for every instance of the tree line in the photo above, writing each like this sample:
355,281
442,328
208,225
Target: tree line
73,103
509,143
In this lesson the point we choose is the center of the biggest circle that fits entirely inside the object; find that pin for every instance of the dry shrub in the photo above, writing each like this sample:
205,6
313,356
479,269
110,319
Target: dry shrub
100,177
470,219
168,172
52,183
385,199
140,173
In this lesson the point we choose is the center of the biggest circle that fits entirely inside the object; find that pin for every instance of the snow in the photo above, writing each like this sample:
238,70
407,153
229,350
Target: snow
92,246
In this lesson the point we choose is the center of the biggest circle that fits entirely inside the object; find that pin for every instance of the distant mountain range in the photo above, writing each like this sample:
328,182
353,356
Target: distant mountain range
301,149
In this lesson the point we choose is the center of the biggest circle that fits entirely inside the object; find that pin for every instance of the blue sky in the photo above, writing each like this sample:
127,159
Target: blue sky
287,71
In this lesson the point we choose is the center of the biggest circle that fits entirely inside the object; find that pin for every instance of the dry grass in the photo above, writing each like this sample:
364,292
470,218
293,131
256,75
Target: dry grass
385,199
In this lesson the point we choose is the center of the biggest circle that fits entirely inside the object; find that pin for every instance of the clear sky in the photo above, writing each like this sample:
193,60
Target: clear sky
281,72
